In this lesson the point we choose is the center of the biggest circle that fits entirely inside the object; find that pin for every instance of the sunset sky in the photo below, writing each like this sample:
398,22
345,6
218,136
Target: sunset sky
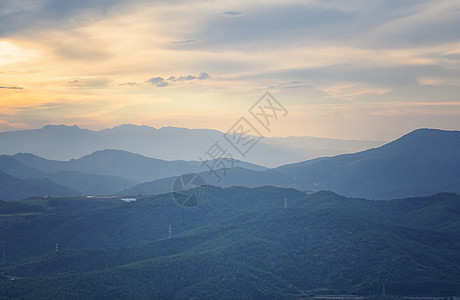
344,69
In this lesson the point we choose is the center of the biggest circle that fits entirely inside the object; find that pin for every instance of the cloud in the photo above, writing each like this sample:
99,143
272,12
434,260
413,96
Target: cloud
313,52
233,13
19,17
8,123
161,82
202,76
98,82
11,87
276,25
184,42
71,48
367,24
158,81
43,106
349,91
384,77
422,23
439,81
131,83
452,56
294,84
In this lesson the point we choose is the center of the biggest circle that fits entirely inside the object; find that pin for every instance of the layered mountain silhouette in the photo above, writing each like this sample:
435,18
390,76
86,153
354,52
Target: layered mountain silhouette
120,163
12,188
84,183
421,163
59,142
103,172
245,239
236,176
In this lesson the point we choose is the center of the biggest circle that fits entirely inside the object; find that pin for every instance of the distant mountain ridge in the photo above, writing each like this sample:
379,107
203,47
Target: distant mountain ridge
12,188
88,184
103,172
60,142
120,163
224,178
423,162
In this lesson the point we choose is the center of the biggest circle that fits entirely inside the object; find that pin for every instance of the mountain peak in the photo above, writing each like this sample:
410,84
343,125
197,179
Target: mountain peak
25,155
60,126
424,131
131,126
425,139
113,153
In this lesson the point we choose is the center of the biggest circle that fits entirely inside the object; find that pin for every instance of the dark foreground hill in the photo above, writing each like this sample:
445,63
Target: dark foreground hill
421,163
239,243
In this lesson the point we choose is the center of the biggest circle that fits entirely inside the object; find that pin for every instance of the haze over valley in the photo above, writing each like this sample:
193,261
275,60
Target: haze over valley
230,149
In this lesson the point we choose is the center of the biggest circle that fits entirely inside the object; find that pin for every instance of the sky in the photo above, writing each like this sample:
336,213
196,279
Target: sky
358,69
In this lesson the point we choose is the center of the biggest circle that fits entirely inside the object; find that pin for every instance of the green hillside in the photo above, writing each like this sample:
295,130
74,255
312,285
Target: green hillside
240,243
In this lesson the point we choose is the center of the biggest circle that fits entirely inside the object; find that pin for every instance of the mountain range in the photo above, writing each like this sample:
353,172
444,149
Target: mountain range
103,172
259,233
60,142
421,163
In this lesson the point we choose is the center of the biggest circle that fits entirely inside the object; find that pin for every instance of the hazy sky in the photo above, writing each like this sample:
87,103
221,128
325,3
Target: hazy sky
351,69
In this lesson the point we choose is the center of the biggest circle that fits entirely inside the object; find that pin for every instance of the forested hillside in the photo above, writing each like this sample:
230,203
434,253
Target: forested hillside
239,243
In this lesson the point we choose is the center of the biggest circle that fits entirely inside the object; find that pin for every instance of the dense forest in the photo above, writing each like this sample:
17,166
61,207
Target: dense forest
259,243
